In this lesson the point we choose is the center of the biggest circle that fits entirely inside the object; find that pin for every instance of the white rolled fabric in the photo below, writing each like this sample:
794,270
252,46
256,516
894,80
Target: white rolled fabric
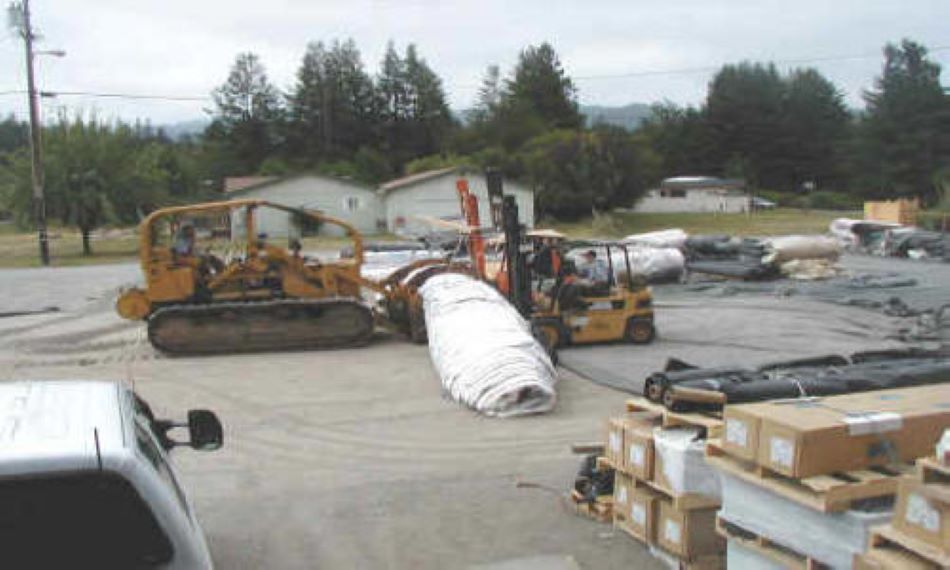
673,237
786,248
483,349
653,263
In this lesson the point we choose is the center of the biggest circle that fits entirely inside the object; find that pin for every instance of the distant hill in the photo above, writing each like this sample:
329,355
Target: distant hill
628,116
182,129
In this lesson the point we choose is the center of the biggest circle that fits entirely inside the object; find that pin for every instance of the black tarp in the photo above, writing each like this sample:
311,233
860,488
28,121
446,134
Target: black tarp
866,372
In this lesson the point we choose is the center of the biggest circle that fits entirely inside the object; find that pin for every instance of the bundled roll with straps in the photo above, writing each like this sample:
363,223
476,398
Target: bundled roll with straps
483,349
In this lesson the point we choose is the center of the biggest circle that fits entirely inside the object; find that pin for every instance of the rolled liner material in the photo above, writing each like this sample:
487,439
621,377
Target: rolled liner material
483,349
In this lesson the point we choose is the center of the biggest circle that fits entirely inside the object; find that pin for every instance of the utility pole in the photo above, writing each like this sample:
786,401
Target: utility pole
39,200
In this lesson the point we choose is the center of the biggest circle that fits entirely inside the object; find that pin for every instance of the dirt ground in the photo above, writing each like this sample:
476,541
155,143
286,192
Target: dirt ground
353,459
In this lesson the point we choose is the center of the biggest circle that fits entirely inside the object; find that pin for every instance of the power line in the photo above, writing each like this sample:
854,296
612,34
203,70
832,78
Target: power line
645,73
110,95
707,69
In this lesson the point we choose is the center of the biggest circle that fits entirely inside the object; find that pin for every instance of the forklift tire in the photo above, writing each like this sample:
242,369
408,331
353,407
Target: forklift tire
417,328
549,336
640,331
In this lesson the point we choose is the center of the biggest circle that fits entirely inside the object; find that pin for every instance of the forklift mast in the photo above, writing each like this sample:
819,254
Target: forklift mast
476,241
516,259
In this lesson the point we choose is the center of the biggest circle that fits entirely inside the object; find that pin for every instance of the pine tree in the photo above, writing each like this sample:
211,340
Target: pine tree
247,115
541,86
332,107
905,138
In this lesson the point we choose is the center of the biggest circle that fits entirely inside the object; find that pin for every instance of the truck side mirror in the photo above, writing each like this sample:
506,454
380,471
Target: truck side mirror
205,430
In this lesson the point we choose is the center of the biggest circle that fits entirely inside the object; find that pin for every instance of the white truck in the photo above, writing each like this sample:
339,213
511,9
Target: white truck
86,482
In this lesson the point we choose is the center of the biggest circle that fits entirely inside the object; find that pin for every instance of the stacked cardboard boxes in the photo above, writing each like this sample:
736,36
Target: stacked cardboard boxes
832,465
918,536
660,496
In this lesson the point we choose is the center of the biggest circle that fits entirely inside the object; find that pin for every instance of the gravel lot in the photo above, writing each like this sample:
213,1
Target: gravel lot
353,459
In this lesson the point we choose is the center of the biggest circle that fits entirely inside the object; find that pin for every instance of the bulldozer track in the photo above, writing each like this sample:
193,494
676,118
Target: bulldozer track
285,324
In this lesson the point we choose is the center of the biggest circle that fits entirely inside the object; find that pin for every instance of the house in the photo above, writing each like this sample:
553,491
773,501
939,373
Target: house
235,183
696,194
351,201
410,201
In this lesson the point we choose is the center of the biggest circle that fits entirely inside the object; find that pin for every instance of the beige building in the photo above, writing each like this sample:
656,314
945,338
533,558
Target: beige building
696,194
410,201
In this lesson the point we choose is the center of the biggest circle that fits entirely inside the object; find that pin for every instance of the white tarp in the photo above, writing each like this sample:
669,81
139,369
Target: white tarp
674,237
830,538
653,263
377,265
483,349
786,248
683,458
843,231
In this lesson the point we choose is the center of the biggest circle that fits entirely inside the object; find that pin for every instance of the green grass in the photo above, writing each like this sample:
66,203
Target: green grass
781,221
21,249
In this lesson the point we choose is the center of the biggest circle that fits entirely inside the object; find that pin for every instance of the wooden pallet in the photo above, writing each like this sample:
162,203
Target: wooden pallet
826,493
710,422
682,502
930,471
601,510
888,538
763,546
710,562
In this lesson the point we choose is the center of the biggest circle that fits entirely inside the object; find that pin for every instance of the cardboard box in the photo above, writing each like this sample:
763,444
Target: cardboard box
923,512
740,437
623,489
638,448
640,516
846,433
688,534
615,450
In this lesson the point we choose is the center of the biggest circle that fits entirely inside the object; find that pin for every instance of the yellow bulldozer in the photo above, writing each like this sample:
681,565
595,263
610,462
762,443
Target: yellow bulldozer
214,284
251,296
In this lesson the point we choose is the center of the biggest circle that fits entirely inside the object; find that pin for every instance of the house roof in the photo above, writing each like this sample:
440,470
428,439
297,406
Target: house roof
416,178
235,183
701,182
272,180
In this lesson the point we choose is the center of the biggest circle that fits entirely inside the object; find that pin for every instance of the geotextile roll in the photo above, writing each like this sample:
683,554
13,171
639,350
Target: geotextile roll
483,350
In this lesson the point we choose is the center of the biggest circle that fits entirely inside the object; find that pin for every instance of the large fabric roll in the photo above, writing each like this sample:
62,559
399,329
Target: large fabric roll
483,349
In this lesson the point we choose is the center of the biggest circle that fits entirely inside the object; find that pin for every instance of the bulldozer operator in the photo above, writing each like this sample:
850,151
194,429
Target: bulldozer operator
183,252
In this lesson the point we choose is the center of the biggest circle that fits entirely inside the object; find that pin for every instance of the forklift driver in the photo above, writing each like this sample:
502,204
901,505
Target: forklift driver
593,270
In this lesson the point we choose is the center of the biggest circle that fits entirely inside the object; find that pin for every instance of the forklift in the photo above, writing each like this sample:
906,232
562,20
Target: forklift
619,310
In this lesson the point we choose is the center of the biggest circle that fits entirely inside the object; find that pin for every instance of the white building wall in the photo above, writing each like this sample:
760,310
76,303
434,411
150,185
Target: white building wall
351,202
694,201
438,198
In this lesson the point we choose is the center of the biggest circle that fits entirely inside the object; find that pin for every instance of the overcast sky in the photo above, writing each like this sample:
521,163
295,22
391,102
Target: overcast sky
184,48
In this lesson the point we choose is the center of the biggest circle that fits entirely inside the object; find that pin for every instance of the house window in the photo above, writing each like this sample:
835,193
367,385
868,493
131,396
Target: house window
351,203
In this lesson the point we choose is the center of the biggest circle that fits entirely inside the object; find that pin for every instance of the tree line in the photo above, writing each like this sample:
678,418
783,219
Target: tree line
789,135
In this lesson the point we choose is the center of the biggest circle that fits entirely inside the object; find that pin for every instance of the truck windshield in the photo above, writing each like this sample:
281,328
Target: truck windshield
149,448
93,520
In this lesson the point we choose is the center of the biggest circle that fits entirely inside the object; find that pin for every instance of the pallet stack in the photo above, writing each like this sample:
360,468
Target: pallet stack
918,537
656,501
805,481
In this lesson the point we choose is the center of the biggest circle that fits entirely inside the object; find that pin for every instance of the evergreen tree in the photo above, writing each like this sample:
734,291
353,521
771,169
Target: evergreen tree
814,130
905,138
744,115
428,112
332,108
541,86
247,115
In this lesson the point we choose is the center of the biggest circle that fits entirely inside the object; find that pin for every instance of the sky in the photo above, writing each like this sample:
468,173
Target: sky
617,51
